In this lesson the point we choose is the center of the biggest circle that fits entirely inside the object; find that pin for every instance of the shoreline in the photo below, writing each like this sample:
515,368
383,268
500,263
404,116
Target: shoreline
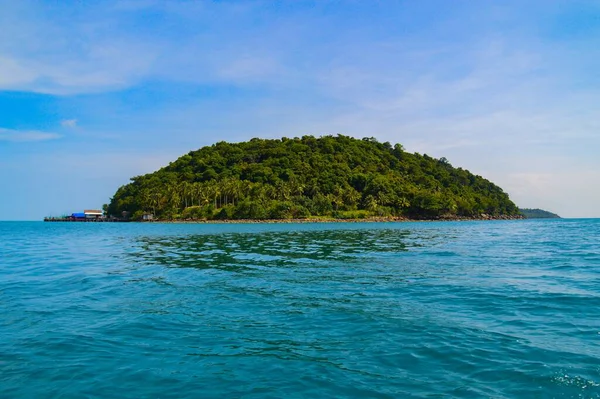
331,220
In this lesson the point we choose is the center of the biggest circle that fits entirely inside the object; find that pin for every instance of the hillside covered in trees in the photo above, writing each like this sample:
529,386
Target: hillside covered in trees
538,214
339,177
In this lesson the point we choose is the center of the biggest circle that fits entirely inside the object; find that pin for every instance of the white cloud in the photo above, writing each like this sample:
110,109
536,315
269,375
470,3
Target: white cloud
69,123
108,68
71,50
93,50
250,67
26,135
13,74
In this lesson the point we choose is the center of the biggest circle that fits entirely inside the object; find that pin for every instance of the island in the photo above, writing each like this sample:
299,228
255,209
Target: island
529,213
309,178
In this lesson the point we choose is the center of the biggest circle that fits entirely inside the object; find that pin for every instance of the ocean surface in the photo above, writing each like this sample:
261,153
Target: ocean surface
496,309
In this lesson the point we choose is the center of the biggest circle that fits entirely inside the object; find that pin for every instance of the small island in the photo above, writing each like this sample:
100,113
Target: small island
310,178
529,213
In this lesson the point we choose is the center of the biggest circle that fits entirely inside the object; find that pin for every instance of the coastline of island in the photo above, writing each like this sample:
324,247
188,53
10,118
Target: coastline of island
333,220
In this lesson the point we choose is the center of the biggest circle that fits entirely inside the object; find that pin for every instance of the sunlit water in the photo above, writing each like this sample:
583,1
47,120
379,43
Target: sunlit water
500,309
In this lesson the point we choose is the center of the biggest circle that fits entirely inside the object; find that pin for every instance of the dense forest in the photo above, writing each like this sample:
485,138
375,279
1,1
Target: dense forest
308,177
538,214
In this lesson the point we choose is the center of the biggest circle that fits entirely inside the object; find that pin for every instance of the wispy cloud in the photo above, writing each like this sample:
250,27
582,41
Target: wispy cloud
13,74
26,135
70,123
74,50
67,50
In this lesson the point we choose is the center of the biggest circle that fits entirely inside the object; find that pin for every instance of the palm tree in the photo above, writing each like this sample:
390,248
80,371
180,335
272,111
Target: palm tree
236,190
184,190
283,190
371,203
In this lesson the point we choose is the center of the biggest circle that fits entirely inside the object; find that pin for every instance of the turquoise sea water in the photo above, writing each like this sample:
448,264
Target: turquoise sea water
500,309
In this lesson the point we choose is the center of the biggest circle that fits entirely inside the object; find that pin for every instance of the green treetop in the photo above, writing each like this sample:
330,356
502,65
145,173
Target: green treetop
338,177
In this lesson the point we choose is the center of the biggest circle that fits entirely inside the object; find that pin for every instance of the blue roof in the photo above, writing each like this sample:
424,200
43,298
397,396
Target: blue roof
78,215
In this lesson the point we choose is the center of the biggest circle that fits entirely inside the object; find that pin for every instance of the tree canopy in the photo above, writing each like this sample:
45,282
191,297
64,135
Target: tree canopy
332,176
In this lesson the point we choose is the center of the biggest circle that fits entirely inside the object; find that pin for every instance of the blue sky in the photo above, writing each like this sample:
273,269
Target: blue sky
92,93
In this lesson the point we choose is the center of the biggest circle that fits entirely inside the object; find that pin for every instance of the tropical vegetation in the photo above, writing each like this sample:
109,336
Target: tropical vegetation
330,176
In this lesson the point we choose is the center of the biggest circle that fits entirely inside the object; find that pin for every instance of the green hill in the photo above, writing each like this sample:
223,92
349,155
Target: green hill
538,214
339,177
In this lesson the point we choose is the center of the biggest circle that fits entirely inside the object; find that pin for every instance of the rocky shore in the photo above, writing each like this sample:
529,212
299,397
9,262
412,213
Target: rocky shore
334,220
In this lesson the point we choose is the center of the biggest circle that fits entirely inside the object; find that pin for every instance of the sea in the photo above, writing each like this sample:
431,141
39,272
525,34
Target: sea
466,309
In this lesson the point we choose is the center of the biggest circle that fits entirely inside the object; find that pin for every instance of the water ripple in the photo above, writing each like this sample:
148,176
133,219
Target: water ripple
454,309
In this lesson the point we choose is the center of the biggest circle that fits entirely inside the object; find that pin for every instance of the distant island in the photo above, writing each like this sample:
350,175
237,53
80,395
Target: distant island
538,214
330,177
